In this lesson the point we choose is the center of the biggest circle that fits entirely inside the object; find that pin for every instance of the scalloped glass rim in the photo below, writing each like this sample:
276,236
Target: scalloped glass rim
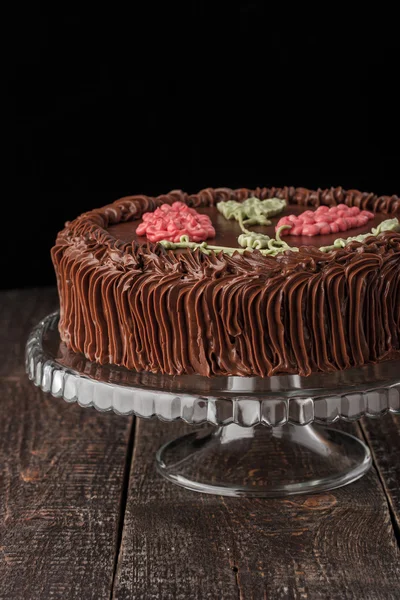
371,390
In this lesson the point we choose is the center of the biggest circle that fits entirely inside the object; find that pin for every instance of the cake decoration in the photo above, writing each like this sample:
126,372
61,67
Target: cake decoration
326,220
252,211
171,222
388,225
267,246
253,240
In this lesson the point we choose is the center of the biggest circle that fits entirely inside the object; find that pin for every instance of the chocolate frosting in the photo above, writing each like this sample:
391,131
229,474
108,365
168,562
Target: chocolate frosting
135,304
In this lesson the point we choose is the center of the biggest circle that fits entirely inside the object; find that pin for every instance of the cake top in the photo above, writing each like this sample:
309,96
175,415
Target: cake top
177,226
117,234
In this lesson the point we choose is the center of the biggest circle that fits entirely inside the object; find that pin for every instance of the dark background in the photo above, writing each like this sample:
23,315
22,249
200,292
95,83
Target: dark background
110,104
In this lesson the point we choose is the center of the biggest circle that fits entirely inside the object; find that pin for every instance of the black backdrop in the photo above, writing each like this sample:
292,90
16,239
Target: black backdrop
110,104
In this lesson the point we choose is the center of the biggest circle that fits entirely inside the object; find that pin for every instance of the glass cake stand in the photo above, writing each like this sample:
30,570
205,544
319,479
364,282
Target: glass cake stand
266,437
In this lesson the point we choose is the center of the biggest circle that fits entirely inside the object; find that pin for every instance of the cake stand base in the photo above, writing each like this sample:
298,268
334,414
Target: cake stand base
264,462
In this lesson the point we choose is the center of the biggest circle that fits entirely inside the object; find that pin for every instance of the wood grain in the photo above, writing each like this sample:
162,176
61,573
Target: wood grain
20,311
383,437
178,544
61,477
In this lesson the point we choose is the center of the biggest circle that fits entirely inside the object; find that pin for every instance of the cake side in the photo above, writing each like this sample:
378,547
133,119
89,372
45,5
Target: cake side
152,309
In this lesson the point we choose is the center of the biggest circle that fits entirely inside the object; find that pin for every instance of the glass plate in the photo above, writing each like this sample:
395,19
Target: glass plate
295,454
323,397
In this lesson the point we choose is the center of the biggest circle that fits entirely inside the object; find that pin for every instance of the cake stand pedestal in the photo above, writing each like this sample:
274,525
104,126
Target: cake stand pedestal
266,437
238,461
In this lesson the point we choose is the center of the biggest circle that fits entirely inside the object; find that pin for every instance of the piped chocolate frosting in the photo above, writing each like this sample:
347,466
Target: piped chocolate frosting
126,301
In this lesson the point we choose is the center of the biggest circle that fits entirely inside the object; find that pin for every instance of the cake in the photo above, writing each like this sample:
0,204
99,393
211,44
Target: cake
256,289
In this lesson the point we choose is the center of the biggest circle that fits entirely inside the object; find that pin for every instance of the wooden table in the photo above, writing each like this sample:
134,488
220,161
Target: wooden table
84,515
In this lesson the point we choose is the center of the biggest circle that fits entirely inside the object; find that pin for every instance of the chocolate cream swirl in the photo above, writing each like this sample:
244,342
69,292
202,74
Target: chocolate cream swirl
152,309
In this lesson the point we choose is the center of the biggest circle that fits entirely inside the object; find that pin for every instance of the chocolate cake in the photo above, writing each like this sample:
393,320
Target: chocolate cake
273,303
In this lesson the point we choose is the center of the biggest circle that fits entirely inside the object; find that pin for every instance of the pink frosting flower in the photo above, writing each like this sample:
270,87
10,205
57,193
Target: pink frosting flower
325,220
171,222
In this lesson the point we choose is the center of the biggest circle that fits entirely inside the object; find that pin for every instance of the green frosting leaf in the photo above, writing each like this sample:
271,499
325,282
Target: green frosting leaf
388,225
203,246
266,245
253,240
252,211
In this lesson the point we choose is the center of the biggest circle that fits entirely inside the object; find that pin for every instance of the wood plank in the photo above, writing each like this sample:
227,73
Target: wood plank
20,311
61,477
383,436
179,544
